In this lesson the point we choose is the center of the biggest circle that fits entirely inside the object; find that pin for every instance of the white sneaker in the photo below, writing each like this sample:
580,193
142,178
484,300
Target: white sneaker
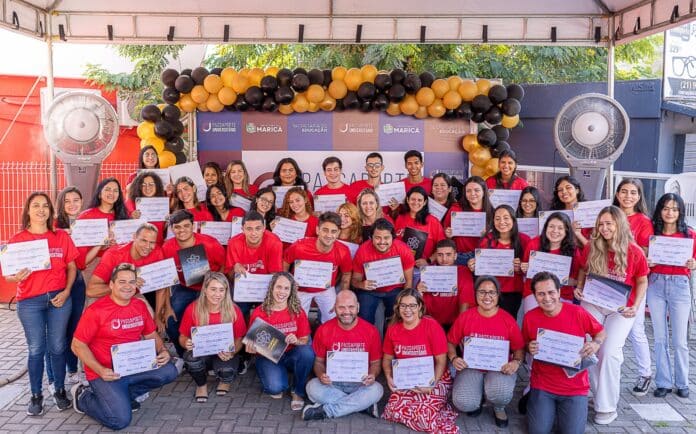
143,397
72,378
76,391
605,418
179,364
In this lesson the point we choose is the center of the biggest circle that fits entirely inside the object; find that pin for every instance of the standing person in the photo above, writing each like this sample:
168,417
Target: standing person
146,184
213,306
212,174
554,394
287,173
264,203
297,206
281,308
383,245
147,159
669,298
322,248
237,180
333,172
412,334
110,398
629,197
413,161
185,198
566,193
218,205
487,321
351,229
441,193
507,177
346,332
530,203
374,166
613,254
474,199
44,305
416,216
369,211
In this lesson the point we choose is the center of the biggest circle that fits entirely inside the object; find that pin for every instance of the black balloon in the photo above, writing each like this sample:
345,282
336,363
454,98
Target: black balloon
464,111
241,104
171,113
497,94
486,137
184,83
501,132
186,71
397,75
481,104
170,95
477,117
411,83
254,96
299,71
515,91
366,91
339,105
365,106
199,74
151,113
327,78
493,116
269,84
381,102
350,101
300,82
284,77
511,107
500,147
396,93
168,77
180,157
163,129
316,76
383,82
231,108
284,95
450,114
175,145
216,71
426,78
177,127
269,104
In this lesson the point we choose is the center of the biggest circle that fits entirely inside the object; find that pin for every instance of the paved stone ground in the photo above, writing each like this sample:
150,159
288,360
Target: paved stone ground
246,410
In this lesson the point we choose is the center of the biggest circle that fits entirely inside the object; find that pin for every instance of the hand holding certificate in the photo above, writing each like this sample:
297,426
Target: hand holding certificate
328,202
251,288
289,230
313,274
33,255
441,278
495,262
558,348
387,192
153,209
89,232
347,366
558,265
385,272
485,354
158,275
413,372
212,339
134,357
670,250
605,292
468,224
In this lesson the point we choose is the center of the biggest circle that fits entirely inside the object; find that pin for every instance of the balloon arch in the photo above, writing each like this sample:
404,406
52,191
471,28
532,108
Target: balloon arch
494,107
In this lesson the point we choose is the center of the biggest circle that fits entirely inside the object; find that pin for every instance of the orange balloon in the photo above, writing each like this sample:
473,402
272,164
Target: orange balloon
353,79
408,105
244,72
199,94
480,156
477,171
467,90
338,89
510,121
440,87
155,142
422,112
436,109
328,103
300,103
227,75
338,73
212,83
425,96
214,104
166,159
393,109
469,142
272,71
492,167
315,93
255,76
202,107
313,107
452,100
186,103
368,73
285,109
146,129
227,95
483,86
240,83
454,82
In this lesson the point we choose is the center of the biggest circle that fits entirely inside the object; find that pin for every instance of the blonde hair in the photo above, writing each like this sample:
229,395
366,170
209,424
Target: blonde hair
294,305
355,230
598,262
228,313
373,193
286,211
229,185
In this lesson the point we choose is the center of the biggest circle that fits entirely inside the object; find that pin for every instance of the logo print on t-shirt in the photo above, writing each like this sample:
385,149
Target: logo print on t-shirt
397,350
116,324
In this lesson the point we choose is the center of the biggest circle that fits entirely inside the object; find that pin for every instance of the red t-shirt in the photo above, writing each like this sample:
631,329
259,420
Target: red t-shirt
501,326
432,227
252,191
91,213
574,320
358,186
672,269
201,213
264,259
507,284
443,306
362,337
284,321
426,339
641,228
343,189
62,252
306,249
566,290
636,267
367,253
213,250
426,183
105,323
517,183
118,254
464,244
234,212
189,320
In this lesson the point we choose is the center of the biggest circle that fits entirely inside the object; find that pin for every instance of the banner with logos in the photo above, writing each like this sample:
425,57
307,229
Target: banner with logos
679,78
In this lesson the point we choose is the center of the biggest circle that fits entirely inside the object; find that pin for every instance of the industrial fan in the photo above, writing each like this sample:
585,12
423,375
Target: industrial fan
591,132
82,129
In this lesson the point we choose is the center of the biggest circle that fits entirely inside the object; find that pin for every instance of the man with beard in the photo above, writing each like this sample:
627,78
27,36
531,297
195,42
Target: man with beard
346,332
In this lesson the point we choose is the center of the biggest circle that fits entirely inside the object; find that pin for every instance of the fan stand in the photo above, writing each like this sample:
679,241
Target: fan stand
591,179
83,176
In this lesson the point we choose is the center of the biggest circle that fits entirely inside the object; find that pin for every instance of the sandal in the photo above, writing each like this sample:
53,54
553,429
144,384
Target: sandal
297,403
222,389
200,398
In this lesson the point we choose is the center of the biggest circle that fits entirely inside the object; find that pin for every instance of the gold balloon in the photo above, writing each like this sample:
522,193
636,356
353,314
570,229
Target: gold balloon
468,90
425,96
255,76
393,109
214,104
510,121
313,107
240,83
166,159
477,171
440,87
436,109
186,103
452,100
492,167
328,103
199,94
155,142
285,109
227,75
480,157
408,105
146,129
353,79
454,82
368,73
300,103
469,142
422,112
244,72
203,107
212,83
272,71
483,86
315,93
227,95
338,73
338,89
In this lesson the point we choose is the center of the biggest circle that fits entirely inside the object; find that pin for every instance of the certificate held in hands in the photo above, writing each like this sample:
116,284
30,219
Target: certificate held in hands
559,348
557,265
670,250
440,278
346,366
212,339
387,192
158,275
494,262
385,272
485,354
605,292
413,372
194,264
500,196
153,209
468,224
89,232
33,255
289,230
134,357
415,240
251,288
328,202
267,340
123,230
313,274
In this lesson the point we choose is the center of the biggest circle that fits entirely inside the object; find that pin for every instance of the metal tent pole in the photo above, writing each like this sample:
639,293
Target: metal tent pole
610,92
53,184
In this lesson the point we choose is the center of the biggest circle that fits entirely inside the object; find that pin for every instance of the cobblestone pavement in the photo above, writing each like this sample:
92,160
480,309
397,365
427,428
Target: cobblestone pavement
246,410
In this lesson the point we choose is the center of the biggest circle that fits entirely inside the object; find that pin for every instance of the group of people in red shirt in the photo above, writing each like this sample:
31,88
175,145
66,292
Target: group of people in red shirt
368,243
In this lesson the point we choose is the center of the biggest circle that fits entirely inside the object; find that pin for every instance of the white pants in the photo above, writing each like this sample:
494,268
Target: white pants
641,348
605,376
325,301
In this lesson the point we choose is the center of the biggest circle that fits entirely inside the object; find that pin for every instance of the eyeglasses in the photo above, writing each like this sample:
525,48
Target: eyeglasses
528,201
373,165
487,293
264,200
404,306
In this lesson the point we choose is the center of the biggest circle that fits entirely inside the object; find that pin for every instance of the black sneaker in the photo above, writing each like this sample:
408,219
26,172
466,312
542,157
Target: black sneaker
76,392
522,404
135,406
372,411
243,366
61,400
661,392
641,387
313,412
36,407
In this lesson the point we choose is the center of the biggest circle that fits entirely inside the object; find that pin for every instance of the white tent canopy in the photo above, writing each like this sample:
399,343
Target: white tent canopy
576,22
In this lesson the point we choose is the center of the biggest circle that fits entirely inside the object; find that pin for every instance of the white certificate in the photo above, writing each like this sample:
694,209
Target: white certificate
313,274
251,288
191,170
468,224
236,226
153,209
347,366
280,192
387,192
528,226
328,202
436,210
559,348
89,232
26,254
221,231
289,230
670,250
558,265
606,293
124,230
385,272
440,278
499,196
353,247
486,354
162,174
158,275
134,357
413,372
586,212
212,339
544,215
494,262
239,201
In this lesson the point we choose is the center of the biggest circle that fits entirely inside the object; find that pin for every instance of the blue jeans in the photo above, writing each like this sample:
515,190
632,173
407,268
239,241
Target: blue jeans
44,327
274,378
109,402
669,296
543,407
198,367
181,297
341,399
369,301
77,295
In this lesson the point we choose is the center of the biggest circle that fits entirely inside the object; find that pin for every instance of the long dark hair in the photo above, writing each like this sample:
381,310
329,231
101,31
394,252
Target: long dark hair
62,218
485,203
499,176
298,172
640,206
450,197
659,224
144,149
119,210
556,203
135,191
271,214
213,210
421,215
514,232
25,211
568,242
537,198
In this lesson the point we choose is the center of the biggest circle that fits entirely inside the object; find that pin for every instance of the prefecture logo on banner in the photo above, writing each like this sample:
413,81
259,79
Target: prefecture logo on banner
400,129
253,128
